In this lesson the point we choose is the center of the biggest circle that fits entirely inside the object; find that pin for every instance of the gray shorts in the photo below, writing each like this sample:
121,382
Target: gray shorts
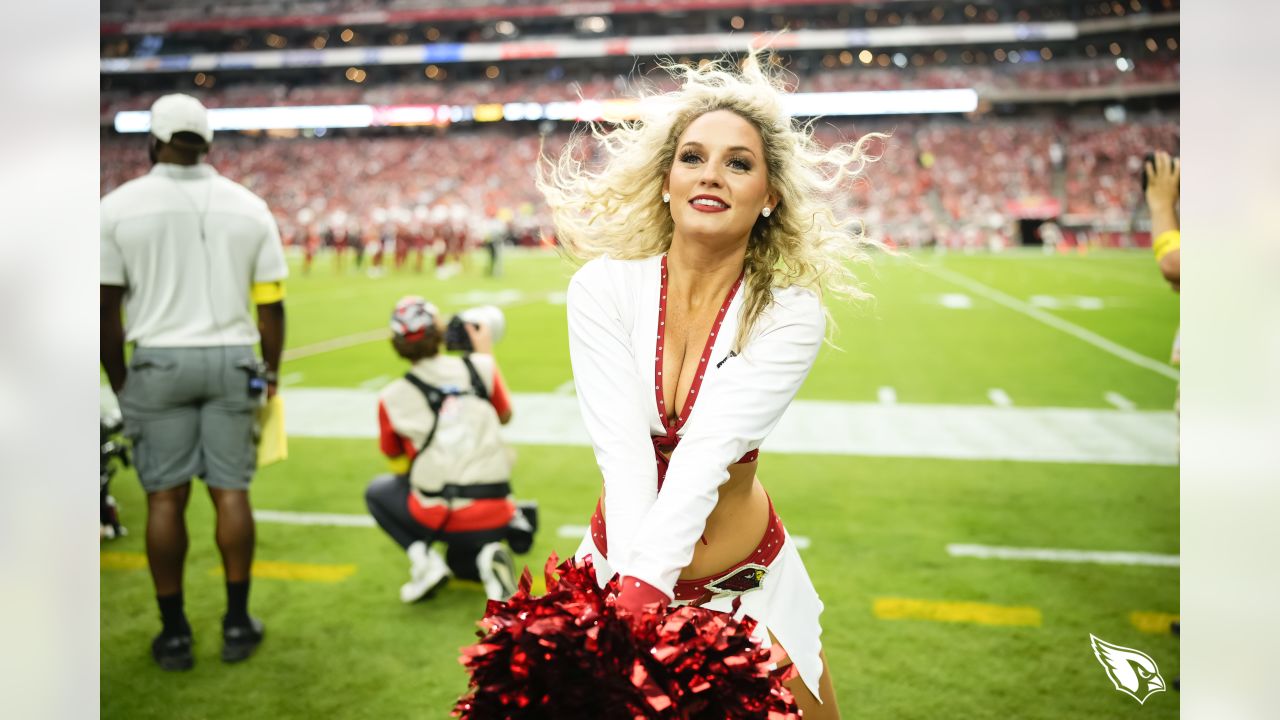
189,413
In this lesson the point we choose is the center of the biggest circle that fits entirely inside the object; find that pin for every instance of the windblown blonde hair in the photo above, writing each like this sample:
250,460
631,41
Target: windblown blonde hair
613,207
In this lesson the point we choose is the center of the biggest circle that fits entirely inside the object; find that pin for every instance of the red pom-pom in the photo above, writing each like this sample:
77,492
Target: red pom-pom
572,653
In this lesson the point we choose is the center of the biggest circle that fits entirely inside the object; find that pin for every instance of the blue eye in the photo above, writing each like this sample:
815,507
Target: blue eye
740,164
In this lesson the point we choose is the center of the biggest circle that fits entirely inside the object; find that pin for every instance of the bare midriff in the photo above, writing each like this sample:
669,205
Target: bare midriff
734,527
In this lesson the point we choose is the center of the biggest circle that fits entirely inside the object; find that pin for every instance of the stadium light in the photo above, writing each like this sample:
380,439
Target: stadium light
436,52
888,102
411,115
276,118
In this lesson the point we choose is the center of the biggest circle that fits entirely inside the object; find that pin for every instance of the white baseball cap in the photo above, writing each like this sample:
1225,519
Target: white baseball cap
412,316
179,113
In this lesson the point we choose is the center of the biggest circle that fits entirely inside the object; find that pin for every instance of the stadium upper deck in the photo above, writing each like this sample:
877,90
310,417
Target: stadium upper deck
221,28
533,82
1009,51
134,17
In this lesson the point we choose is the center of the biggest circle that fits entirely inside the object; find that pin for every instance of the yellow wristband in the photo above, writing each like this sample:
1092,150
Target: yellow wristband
399,465
1166,242
265,293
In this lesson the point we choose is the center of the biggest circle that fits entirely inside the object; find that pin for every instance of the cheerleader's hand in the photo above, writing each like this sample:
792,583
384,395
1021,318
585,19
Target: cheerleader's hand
637,597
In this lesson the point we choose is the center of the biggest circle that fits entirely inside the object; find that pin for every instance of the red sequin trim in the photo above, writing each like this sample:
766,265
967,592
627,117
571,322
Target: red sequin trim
667,443
674,425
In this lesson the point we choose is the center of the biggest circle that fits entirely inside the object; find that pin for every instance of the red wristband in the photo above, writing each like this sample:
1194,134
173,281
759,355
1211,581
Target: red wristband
636,594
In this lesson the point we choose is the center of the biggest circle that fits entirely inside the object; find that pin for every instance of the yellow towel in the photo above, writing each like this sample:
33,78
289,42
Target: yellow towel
273,444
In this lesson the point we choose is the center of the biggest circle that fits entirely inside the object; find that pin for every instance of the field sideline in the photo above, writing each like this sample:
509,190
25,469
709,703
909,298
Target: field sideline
918,624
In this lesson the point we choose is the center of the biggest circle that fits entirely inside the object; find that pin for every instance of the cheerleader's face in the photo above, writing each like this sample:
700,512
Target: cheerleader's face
719,181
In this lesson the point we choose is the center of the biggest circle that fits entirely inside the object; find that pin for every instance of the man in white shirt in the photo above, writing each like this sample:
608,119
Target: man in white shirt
185,251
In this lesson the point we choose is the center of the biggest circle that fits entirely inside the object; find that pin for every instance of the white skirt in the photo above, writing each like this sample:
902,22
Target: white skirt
785,604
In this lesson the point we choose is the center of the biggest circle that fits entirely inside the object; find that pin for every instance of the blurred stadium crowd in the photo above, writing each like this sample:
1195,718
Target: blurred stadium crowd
947,182
1060,131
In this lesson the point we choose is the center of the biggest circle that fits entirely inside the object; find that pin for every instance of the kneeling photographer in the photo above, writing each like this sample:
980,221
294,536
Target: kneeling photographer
451,470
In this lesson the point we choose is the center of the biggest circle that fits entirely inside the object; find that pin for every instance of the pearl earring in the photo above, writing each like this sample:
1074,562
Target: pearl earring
666,197
765,212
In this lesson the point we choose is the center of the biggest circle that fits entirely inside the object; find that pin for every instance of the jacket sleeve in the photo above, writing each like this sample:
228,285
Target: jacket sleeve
740,405
611,397
270,265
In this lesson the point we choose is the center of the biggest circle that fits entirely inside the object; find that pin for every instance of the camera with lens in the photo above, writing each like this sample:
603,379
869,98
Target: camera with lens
455,333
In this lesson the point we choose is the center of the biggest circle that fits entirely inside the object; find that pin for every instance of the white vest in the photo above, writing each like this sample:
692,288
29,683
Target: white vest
467,448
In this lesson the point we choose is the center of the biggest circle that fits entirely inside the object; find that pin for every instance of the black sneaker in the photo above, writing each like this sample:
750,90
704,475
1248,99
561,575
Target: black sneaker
173,652
239,641
522,527
529,508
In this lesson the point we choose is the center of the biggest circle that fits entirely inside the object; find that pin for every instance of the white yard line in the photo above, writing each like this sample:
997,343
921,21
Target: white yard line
338,343
285,517
1120,401
955,301
506,298
887,396
995,552
577,531
1052,321
374,383
565,388
987,552
960,432
292,378
1095,274
999,398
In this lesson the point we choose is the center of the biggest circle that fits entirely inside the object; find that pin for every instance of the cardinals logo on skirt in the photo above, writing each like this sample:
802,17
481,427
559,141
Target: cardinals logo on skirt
738,581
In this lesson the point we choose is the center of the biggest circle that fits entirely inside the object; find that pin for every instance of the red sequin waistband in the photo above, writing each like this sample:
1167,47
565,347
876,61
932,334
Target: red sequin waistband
741,578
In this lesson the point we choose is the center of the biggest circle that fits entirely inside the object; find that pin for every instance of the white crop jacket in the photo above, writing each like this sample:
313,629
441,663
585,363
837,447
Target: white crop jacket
613,324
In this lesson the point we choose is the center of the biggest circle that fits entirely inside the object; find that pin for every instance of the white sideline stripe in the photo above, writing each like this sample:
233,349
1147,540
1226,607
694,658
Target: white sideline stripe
292,378
1120,401
565,388
326,519
1053,321
959,432
999,398
887,396
577,531
992,552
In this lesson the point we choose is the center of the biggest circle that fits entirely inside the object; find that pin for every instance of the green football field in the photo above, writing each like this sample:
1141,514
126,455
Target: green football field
911,629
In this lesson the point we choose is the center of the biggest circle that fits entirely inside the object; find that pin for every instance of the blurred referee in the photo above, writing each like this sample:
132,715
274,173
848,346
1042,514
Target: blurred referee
185,250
